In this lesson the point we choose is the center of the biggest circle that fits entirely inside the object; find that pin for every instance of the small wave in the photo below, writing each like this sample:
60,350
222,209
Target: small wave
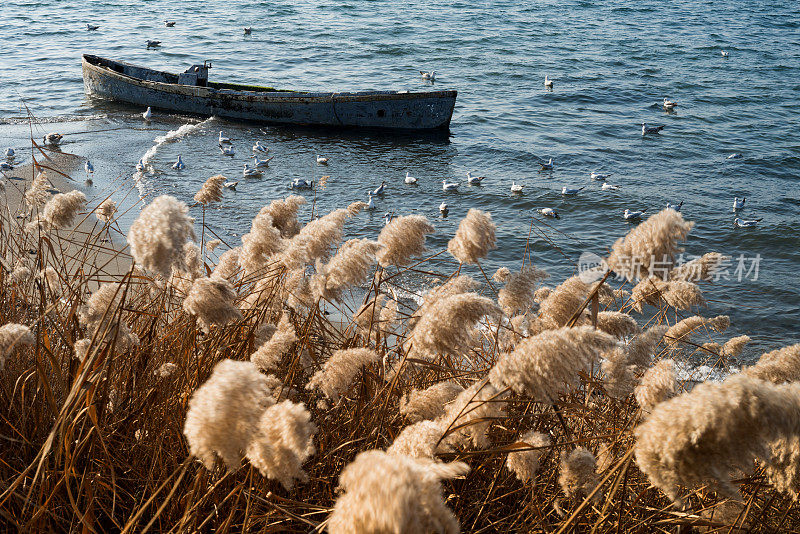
172,136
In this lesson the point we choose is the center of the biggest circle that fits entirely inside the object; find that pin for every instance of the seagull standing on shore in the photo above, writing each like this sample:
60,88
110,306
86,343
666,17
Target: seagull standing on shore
449,186
179,165
651,129
571,191
410,179
738,203
10,153
669,105
321,160
147,114
89,167
629,215
746,223
549,212
600,177
474,180
428,75
548,82
53,139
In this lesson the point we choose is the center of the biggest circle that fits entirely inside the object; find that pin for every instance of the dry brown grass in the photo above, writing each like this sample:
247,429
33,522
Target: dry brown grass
96,445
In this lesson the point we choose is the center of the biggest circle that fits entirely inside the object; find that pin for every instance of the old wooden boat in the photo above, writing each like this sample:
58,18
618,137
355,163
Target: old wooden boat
192,92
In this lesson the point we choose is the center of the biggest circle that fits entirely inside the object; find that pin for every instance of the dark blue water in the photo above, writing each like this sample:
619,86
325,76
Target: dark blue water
612,62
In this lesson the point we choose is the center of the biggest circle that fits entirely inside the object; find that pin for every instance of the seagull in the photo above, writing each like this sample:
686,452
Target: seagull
547,81
300,183
547,166
515,187
169,23
231,185
10,153
629,215
410,179
570,191
179,165
227,150
449,186
600,177
248,30
140,167
224,140
321,160
250,172
261,162
735,155
370,202
724,53
428,75
258,147
668,104
738,203
91,28
153,44
444,208
549,212
745,223
387,218
609,187
53,139
5,166
651,129
676,207
381,188
474,180
147,114
89,167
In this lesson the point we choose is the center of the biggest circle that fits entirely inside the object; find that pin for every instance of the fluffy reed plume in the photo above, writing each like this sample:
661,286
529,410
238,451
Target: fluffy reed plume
517,296
683,330
13,335
620,325
446,327
734,346
518,328
782,365
211,190
314,240
562,303
81,348
388,315
700,269
227,265
783,466
641,349
387,493
650,248
403,239
657,385
263,333
468,417
283,440
224,413
37,194
430,403
59,212
349,267
541,294
338,373
354,208
577,475
284,214
474,238
100,315
420,440
269,354
51,280
262,241
166,370
211,300
21,274
158,235
212,245
612,297
715,430
542,365
620,374
501,275
192,262
106,211
455,286
678,294
524,464
367,317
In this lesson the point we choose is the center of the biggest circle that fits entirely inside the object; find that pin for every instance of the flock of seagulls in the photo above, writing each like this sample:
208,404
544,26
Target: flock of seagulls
248,30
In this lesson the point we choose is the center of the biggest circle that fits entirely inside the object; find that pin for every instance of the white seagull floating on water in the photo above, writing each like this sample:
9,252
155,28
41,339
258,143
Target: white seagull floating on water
381,188
53,138
651,129
370,202
474,180
387,218
227,150
549,212
449,186
609,187
738,203
676,207
10,153
547,81
91,27
746,223
250,172
428,75
571,191
179,165
410,179
261,162
547,166
258,147
735,155
725,53
515,187
224,140
443,207
140,166
629,215
322,160
668,104
300,183
231,185
600,177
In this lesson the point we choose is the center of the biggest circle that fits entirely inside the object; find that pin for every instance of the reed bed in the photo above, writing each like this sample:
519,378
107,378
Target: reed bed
289,383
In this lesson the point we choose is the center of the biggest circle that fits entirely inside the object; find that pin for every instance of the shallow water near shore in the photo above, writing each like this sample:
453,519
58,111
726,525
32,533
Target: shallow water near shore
612,65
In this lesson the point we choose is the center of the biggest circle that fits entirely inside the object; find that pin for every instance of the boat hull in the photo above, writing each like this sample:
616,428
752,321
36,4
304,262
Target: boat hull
378,109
